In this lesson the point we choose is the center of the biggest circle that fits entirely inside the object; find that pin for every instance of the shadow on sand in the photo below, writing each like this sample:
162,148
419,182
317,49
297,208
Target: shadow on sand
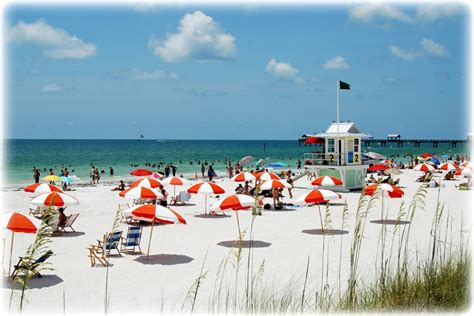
164,259
282,210
389,222
329,232
34,283
212,216
245,244
69,234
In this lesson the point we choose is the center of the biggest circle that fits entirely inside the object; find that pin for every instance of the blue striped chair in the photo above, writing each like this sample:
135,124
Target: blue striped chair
132,239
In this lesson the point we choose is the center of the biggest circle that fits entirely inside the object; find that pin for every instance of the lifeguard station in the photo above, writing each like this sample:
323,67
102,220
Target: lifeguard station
339,155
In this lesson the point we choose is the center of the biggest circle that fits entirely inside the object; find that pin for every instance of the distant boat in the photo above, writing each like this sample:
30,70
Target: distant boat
142,136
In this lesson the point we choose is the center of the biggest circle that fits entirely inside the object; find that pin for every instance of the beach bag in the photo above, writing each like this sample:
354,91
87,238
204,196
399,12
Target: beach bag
267,206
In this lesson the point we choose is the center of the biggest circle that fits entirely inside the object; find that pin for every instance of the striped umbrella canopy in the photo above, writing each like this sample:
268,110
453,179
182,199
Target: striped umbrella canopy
42,188
154,213
235,202
141,172
141,192
264,176
19,223
243,176
147,183
326,181
449,166
175,181
426,155
393,191
467,172
423,167
275,184
54,199
468,164
377,167
52,177
206,188
247,160
318,196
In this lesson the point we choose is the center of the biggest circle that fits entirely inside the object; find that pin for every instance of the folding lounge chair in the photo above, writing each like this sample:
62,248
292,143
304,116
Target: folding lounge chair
24,263
102,250
70,220
132,239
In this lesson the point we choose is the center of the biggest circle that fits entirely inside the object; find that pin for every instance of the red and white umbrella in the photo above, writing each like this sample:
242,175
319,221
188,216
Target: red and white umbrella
54,199
393,191
154,213
275,184
175,181
318,196
326,181
206,188
19,223
264,176
141,192
42,188
423,167
467,164
467,172
141,172
147,183
235,202
449,166
385,162
243,176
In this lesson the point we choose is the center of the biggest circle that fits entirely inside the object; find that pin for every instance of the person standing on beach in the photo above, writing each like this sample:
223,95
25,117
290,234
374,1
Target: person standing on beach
203,170
290,182
167,171
173,170
96,175
230,171
299,164
36,174
111,171
91,174
210,173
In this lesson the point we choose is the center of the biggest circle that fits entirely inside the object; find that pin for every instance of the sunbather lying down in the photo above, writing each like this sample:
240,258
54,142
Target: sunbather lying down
425,178
465,185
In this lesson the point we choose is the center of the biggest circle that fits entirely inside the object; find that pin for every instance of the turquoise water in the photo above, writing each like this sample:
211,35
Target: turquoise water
22,155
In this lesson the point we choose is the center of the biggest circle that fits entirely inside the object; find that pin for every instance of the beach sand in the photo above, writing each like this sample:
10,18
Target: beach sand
178,251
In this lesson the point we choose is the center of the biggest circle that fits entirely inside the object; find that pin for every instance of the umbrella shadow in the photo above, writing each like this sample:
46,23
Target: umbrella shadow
212,216
282,210
34,283
244,244
389,222
328,232
70,234
164,259
181,205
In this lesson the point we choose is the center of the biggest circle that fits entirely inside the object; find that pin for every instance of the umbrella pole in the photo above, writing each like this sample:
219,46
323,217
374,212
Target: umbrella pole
320,217
238,224
11,251
174,192
149,242
205,204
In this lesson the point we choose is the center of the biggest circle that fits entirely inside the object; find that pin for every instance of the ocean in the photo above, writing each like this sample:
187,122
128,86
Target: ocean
77,155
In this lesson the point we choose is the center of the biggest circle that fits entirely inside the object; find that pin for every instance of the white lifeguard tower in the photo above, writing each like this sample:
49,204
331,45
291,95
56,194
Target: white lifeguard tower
340,156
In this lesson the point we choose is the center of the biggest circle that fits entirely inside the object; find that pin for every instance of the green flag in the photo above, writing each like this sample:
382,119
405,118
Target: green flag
344,86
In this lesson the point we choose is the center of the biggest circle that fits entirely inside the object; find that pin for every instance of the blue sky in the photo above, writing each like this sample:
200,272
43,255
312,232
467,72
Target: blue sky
228,72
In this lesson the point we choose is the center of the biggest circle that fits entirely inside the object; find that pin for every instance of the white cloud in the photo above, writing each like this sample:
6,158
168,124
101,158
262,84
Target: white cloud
283,71
405,54
198,38
377,11
337,63
432,48
58,43
51,87
158,74
432,12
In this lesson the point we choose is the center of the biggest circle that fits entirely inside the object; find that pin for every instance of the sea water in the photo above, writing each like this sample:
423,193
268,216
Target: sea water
20,156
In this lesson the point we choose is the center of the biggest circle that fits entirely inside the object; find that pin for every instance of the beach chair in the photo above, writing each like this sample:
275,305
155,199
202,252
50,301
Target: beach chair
102,250
54,224
132,239
182,198
38,212
70,220
25,264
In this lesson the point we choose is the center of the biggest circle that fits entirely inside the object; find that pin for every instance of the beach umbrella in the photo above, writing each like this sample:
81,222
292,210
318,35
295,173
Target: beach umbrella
393,191
147,183
19,223
175,181
235,202
141,172
449,166
468,164
377,167
156,175
423,167
275,184
433,160
277,164
52,178
260,162
141,193
317,197
314,140
68,180
54,199
206,188
154,213
264,176
386,162
42,188
394,171
326,181
374,155
247,160
467,172
243,176
425,155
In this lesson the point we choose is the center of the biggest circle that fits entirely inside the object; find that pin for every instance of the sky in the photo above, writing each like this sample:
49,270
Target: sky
234,72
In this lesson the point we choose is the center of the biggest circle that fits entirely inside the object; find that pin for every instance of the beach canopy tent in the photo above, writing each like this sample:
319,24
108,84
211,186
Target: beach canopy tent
154,213
314,140
19,223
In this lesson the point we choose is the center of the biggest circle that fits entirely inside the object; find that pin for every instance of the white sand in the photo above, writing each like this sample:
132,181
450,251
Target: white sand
137,287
